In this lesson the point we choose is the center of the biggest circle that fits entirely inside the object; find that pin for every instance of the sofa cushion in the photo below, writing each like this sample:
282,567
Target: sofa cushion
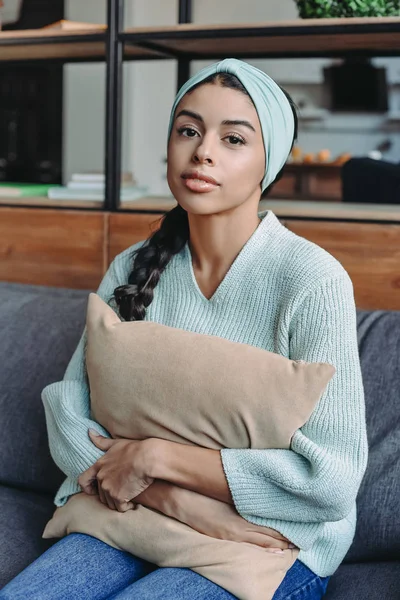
365,581
40,328
23,516
378,527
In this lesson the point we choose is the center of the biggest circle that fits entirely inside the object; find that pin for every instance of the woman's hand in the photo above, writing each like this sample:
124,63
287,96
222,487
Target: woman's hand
221,520
212,517
121,474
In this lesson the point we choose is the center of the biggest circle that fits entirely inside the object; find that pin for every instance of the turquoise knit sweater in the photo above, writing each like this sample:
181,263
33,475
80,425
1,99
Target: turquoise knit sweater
289,296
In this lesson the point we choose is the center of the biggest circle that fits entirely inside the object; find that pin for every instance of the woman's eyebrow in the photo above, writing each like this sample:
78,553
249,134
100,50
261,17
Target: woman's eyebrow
194,115
190,113
239,122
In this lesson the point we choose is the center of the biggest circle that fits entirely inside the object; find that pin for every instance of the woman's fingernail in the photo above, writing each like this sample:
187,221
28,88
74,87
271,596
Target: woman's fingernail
93,431
292,546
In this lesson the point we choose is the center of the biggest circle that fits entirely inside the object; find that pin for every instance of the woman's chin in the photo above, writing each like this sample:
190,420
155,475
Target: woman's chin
197,203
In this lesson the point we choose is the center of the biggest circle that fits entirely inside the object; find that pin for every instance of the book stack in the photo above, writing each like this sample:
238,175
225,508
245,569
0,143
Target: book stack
23,190
91,186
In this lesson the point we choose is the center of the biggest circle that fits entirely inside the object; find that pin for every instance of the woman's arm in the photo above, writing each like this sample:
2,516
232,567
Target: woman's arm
125,470
191,467
67,402
317,479
207,515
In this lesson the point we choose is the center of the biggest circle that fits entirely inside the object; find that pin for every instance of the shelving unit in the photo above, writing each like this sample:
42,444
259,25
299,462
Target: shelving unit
64,46
286,39
186,42
71,243
52,45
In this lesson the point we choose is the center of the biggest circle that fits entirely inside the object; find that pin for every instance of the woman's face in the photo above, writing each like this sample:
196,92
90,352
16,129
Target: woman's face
216,156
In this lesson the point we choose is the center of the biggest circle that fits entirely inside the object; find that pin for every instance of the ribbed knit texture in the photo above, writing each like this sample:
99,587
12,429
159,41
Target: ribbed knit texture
289,296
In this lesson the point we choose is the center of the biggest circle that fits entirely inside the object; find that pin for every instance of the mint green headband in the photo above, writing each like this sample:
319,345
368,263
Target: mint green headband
273,108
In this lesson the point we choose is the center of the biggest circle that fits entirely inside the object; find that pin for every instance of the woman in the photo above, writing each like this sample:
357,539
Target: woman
218,267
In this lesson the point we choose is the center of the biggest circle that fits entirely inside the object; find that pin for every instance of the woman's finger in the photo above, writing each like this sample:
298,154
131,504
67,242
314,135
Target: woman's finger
87,479
102,495
124,506
270,532
110,501
100,441
266,541
94,488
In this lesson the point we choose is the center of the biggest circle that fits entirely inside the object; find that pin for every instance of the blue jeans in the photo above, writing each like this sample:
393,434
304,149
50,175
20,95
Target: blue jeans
82,567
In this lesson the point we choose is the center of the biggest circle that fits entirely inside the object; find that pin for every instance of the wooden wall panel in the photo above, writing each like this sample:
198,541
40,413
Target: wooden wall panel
369,252
59,248
69,248
127,229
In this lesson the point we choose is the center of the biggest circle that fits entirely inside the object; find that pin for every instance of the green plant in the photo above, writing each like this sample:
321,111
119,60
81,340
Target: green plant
348,8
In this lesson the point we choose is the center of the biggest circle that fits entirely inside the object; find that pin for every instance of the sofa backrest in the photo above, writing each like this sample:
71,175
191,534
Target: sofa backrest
378,526
40,329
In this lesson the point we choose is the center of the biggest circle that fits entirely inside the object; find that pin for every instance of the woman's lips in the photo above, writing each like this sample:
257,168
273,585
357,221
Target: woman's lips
199,185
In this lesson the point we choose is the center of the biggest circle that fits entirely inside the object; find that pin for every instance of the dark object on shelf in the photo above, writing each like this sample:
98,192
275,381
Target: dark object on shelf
325,9
371,181
31,107
31,124
37,13
356,85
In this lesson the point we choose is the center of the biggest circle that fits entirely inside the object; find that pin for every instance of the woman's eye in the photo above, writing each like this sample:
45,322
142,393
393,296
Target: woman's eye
187,132
235,140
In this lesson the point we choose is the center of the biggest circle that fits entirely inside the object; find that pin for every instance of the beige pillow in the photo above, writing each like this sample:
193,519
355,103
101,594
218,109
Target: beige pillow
151,380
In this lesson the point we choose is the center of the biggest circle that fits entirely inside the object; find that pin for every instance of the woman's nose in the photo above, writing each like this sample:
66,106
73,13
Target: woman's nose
203,155
202,159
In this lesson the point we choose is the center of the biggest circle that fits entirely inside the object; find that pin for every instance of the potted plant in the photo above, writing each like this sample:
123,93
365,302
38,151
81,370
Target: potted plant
324,9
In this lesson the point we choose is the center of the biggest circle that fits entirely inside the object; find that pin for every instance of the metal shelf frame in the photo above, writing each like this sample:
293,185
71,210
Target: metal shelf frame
184,45
184,58
114,89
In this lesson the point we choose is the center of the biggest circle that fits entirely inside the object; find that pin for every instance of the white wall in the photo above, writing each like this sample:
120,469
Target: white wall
84,102
152,90
150,87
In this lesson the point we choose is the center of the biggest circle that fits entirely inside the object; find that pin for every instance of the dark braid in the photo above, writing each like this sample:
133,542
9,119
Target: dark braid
151,259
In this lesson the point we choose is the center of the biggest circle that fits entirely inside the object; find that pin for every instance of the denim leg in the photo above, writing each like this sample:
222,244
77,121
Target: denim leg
171,583
300,583
78,566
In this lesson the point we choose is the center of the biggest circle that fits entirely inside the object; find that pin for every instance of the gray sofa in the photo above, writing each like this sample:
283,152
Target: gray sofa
40,328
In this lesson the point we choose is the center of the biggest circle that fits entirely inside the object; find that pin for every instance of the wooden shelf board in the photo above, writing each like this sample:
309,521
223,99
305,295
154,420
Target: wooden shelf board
47,34
324,45
40,201
152,203
352,24
50,44
292,208
282,208
315,167
332,210
301,37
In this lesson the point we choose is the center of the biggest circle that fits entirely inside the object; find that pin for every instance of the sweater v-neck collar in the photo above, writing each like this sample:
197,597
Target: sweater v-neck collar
250,249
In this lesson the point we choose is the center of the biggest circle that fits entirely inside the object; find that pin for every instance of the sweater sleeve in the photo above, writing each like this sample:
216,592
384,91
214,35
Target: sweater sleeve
317,479
67,403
